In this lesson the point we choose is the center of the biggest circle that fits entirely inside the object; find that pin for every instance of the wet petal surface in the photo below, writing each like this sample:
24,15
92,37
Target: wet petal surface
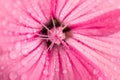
89,49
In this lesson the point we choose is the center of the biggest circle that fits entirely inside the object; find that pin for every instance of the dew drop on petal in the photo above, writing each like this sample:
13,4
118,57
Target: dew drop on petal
111,1
64,71
24,63
18,46
95,71
24,77
2,67
24,52
52,74
3,23
118,18
13,55
112,59
29,36
57,70
13,76
100,78
114,68
47,63
45,72
5,32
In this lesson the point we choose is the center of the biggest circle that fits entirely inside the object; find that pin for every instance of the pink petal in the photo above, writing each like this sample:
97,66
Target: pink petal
102,25
101,53
24,56
64,8
75,11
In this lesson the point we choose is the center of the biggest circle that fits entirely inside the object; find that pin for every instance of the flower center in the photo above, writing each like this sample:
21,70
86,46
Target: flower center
55,32
56,35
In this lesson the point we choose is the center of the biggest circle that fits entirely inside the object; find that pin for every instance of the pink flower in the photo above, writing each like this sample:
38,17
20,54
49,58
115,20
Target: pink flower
59,40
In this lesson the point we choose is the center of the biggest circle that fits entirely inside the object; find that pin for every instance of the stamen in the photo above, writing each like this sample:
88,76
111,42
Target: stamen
53,23
40,35
63,43
50,47
46,27
45,38
54,32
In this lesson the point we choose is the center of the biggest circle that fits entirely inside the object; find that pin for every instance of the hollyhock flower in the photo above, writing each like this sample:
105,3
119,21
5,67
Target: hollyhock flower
59,40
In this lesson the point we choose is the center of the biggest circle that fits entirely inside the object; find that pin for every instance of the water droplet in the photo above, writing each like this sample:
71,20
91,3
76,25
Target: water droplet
24,52
100,78
4,22
57,70
2,67
45,72
29,35
13,55
61,15
69,65
24,77
64,71
112,78
5,32
119,6
13,75
118,18
95,71
112,59
115,68
52,74
111,1
47,63
18,46
24,63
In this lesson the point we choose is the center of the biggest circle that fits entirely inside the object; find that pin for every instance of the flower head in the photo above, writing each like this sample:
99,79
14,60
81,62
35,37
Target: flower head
59,40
